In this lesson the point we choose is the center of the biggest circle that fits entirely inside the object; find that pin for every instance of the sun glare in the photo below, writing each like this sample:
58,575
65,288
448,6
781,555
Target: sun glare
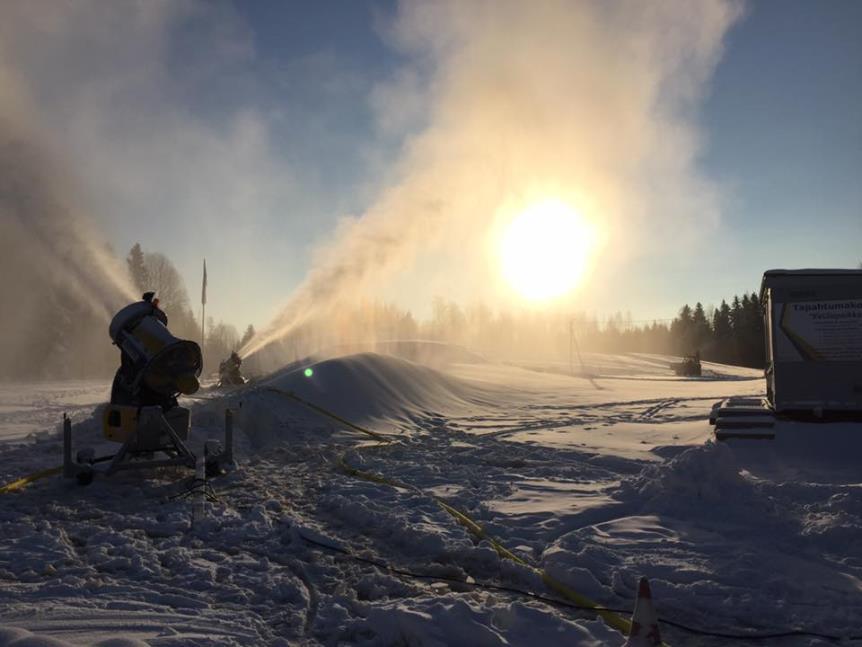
545,250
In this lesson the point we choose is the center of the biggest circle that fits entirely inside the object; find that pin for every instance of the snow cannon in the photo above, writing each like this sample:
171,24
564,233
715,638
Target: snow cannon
161,362
143,413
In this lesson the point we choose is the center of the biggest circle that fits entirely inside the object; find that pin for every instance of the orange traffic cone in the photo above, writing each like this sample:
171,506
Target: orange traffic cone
644,631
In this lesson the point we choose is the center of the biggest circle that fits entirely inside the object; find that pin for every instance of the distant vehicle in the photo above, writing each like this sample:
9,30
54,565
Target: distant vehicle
688,367
229,371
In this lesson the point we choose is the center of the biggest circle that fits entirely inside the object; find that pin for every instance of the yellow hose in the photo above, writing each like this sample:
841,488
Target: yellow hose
26,480
612,619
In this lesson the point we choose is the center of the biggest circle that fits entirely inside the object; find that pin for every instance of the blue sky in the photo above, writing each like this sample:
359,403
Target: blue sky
779,124
785,140
245,132
783,135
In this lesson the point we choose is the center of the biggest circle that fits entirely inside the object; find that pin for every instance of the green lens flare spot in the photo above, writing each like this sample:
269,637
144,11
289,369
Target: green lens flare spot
308,372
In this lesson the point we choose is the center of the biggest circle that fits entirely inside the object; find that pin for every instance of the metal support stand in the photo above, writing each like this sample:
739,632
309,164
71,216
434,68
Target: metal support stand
152,421
69,470
228,436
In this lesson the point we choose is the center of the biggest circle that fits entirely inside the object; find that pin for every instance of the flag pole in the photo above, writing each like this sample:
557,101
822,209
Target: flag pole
203,305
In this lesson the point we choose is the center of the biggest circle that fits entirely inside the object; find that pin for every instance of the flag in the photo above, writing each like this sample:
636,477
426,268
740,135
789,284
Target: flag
204,286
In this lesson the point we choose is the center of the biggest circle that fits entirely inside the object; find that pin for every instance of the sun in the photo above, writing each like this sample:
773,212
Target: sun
546,249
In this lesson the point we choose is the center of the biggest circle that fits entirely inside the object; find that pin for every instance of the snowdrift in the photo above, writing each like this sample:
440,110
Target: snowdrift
639,365
276,355
370,386
367,388
596,480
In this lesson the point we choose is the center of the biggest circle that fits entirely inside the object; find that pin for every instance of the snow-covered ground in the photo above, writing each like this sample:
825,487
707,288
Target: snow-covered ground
596,479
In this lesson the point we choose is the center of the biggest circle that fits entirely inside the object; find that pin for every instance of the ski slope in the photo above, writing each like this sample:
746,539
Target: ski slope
594,479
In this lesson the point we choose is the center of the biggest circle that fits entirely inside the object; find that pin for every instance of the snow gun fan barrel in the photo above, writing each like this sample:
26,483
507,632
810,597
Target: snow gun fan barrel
163,363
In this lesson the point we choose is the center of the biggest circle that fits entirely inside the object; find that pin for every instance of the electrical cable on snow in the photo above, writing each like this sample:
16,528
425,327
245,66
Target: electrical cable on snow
328,414
561,602
568,594
22,482
612,619
196,486
465,520
569,597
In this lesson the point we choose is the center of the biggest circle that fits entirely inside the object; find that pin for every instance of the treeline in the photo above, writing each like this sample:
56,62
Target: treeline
731,334
64,339
155,271
56,334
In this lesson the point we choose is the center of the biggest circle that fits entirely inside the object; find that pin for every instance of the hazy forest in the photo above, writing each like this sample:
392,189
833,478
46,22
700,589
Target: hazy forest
75,343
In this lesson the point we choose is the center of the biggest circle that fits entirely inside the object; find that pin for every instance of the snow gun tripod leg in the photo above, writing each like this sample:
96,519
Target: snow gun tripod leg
81,467
228,437
153,433
68,465
218,455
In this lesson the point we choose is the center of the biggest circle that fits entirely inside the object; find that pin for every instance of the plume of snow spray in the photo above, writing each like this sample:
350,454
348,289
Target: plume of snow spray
592,103
49,250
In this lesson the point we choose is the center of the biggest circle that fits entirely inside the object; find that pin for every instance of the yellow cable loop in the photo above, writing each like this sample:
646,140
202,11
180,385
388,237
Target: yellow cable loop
612,619
19,484
616,621
328,414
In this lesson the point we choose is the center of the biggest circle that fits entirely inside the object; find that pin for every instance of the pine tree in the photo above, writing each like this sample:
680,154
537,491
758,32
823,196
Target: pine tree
138,268
722,333
682,331
756,345
701,332
736,316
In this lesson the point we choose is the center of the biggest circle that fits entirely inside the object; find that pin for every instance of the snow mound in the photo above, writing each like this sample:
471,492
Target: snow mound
476,622
424,351
707,474
365,388
638,366
371,386
434,353
708,477
16,637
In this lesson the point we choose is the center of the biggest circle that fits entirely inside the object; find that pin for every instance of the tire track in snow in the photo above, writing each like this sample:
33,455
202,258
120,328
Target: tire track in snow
657,408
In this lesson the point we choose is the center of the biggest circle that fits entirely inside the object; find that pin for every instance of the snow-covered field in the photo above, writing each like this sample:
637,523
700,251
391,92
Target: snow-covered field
596,480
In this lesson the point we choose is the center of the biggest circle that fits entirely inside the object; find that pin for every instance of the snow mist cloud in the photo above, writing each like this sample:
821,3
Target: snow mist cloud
158,110
594,103
53,259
